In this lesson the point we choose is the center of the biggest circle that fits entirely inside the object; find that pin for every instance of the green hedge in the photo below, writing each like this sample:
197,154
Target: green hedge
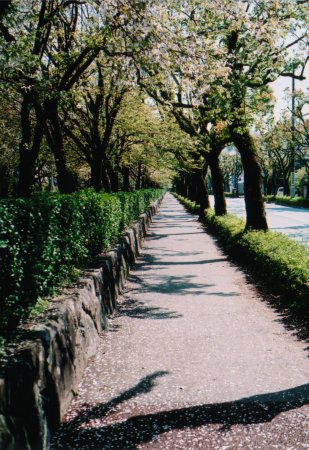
229,195
282,264
45,238
299,202
191,206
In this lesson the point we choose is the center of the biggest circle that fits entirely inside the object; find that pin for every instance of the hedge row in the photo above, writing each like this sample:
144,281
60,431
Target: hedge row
44,239
282,264
299,202
190,205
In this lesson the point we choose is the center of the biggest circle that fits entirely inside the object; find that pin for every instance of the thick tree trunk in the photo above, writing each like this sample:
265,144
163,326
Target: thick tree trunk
286,186
114,179
139,176
194,187
4,181
29,146
256,216
202,191
197,190
126,179
66,178
106,180
179,185
217,181
26,173
96,174
182,185
192,191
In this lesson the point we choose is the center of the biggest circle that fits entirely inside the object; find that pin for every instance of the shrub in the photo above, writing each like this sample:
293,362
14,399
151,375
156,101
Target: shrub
191,206
45,238
229,195
229,227
299,202
282,264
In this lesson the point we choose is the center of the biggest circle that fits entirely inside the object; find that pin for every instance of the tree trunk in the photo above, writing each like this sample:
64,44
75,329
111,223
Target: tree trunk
198,191
202,198
114,179
182,185
139,176
192,191
4,181
126,179
106,180
29,146
217,181
256,217
66,178
286,186
96,174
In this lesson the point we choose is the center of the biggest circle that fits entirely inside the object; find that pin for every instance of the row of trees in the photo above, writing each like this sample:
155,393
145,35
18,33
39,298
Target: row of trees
70,103
280,150
252,52
284,147
131,92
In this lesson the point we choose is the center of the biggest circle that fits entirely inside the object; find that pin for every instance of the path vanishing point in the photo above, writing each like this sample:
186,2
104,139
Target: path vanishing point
193,358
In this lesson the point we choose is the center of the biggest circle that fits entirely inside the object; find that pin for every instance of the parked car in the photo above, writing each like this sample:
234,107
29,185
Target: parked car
280,192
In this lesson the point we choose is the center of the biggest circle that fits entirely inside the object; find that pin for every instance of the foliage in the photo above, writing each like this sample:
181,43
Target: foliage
44,239
148,141
191,206
298,202
67,66
282,264
211,68
277,150
301,177
231,169
229,227
229,194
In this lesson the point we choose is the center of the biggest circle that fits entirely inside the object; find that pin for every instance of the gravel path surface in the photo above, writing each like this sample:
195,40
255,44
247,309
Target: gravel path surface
193,359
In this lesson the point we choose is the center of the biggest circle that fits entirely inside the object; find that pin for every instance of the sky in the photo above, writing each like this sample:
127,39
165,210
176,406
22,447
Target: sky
285,82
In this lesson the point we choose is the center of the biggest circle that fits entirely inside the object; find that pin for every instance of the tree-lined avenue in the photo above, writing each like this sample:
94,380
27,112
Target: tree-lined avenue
193,358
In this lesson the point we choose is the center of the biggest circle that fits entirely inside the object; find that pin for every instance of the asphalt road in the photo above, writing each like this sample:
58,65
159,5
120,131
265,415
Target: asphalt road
193,358
291,221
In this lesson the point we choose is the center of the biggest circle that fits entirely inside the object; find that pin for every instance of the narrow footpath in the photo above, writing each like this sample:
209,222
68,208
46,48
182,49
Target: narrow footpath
193,358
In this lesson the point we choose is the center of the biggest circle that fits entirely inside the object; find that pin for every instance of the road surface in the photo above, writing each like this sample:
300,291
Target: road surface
292,221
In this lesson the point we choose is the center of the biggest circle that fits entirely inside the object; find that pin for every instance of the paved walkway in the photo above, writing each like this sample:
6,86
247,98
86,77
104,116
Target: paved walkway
192,359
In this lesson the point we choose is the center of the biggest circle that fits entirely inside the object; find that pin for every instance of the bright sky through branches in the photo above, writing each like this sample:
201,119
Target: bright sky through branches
279,87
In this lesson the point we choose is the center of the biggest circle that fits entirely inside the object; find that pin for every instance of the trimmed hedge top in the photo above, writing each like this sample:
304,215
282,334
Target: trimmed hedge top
45,238
298,202
282,264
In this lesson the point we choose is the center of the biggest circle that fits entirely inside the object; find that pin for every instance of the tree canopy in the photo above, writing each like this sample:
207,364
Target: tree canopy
120,95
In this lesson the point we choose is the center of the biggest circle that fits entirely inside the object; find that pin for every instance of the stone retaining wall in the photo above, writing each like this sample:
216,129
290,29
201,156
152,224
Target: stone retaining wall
41,377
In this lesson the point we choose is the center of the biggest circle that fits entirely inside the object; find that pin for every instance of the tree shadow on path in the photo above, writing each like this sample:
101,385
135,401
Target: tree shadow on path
139,310
169,285
141,428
